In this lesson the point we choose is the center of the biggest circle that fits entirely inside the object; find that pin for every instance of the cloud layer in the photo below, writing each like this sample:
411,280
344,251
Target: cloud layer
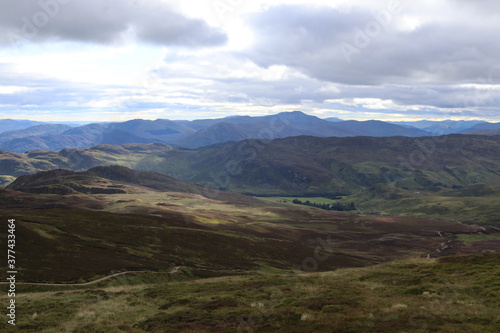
103,22
363,60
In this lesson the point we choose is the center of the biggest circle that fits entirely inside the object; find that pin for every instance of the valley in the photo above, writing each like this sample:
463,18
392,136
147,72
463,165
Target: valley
140,225
234,166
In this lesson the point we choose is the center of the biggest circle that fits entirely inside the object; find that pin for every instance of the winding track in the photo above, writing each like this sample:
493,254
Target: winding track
172,271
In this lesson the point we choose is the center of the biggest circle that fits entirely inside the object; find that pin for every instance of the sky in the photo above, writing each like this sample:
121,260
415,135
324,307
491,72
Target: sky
115,60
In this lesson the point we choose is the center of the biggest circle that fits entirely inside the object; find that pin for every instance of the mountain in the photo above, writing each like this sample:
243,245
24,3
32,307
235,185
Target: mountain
441,127
133,131
483,126
333,119
379,129
38,130
287,124
11,124
160,130
220,132
198,133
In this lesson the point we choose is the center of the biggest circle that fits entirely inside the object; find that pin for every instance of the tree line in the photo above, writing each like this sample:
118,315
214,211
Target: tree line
336,206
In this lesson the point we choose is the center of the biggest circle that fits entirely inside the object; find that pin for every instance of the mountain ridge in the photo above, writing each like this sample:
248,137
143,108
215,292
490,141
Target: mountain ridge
202,132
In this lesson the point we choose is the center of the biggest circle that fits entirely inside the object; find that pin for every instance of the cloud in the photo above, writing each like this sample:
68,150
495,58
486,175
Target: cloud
102,22
365,47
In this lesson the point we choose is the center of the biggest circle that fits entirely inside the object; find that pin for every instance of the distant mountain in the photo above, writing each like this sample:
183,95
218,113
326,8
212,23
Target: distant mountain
220,132
287,124
482,126
380,129
12,124
78,137
38,130
206,132
441,127
133,131
160,130
453,127
333,119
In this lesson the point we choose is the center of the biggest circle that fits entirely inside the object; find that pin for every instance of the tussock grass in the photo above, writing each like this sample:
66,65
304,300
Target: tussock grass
450,294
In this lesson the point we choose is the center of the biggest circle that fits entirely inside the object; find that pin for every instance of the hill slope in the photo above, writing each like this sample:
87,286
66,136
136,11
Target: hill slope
429,176
113,217
447,295
296,164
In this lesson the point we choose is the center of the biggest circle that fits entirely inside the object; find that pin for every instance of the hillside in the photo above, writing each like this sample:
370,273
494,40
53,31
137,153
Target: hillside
105,216
414,171
296,164
451,294
109,180
171,256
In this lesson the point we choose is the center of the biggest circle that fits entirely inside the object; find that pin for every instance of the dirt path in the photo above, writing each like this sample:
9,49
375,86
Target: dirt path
172,271
450,240
444,246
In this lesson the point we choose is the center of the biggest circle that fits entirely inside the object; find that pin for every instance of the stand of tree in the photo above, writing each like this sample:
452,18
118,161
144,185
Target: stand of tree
331,196
336,206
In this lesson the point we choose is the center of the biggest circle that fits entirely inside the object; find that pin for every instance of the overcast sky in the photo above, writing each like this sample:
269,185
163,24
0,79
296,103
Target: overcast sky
114,60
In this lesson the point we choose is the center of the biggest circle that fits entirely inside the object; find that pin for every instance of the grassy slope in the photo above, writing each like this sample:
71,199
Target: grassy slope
451,294
477,208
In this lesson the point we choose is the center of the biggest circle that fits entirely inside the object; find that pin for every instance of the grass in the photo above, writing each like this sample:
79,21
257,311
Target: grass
479,237
481,210
451,294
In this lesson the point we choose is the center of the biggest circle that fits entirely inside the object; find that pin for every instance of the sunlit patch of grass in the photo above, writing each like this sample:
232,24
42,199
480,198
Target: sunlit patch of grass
478,237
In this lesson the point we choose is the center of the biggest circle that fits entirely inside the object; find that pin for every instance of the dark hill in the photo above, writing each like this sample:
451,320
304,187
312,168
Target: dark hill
92,181
111,180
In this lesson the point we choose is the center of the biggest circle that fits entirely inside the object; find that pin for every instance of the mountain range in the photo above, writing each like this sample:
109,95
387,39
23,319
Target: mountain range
293,165
443,127
204,132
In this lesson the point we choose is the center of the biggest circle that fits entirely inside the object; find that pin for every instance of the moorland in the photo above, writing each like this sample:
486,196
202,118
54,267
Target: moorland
152,237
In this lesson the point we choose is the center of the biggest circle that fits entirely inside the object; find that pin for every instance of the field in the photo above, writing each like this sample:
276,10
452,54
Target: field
450,294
